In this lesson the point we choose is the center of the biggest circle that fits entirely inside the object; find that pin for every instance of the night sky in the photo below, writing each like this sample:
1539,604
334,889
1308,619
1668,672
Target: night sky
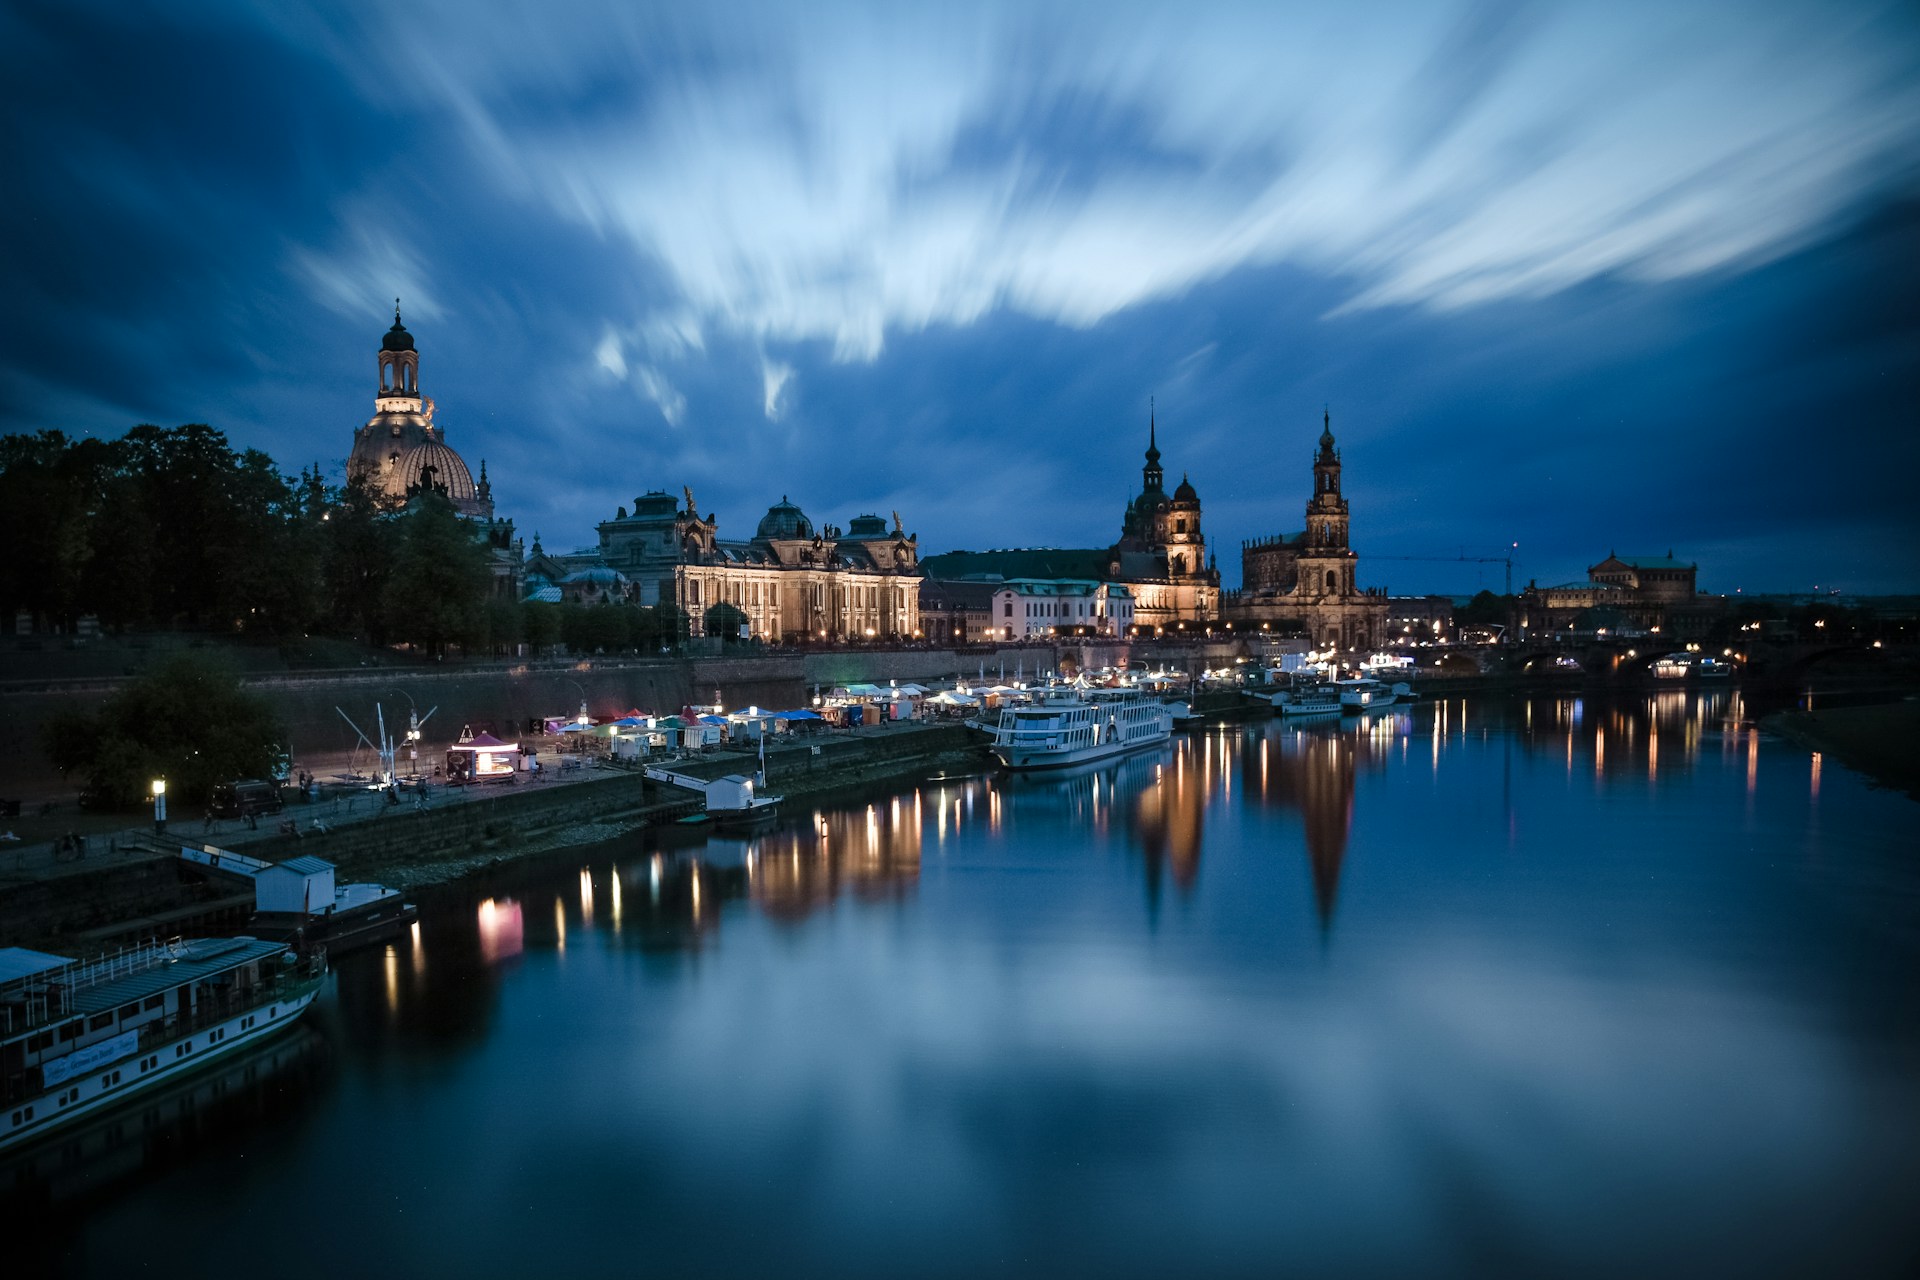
1583,277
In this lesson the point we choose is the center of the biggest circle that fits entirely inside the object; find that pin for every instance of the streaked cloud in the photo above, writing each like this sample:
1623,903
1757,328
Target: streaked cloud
844,172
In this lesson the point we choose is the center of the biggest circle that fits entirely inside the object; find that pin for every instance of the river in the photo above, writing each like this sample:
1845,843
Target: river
1523,987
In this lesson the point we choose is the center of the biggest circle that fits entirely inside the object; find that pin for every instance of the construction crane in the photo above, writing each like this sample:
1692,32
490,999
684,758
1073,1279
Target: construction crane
1506,560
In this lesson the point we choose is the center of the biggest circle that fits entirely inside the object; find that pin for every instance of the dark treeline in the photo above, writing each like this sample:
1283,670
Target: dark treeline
172,528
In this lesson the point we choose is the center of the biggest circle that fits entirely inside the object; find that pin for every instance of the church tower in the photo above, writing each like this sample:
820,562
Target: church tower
1152,479
1326,561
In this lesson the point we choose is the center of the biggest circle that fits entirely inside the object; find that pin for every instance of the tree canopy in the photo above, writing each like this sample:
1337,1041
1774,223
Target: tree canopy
187,720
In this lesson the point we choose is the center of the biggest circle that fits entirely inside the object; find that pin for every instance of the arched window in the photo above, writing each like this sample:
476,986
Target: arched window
1330,581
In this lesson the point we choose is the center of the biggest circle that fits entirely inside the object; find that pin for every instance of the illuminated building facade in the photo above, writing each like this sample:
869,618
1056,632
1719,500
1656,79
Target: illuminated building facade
1307,581
1624,595
1161,560
790,581
402,451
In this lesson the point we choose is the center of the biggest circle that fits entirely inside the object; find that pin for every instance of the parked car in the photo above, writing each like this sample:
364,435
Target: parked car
245,797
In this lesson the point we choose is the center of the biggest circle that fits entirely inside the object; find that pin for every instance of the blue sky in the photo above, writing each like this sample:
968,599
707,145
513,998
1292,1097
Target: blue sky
1583,277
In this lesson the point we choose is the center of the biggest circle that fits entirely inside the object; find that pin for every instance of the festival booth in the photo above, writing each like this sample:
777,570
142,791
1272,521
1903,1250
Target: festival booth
481,757
752,724
631,736
953,703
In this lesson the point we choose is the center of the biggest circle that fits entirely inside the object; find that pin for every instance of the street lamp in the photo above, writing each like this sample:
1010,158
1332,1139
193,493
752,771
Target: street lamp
584,717
159,806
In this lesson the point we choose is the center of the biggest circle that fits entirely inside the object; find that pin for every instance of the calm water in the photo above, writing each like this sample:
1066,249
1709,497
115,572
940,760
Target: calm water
1553,986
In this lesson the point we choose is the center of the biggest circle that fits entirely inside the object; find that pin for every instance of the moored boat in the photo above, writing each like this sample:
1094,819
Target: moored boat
80,1036
1316,699
1371,695
1069,728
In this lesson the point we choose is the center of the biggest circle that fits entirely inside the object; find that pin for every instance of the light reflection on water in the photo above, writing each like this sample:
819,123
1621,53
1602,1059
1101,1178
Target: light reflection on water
1554,985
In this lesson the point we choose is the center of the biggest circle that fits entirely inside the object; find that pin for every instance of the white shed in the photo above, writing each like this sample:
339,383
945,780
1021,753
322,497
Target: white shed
298,885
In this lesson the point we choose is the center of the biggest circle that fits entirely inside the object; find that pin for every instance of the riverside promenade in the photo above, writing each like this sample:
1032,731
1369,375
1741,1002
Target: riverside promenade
126,877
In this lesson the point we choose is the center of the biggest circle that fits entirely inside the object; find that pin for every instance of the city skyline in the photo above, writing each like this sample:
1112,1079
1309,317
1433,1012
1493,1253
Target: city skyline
1576,281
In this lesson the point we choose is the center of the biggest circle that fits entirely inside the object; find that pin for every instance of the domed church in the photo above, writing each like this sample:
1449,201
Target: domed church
401,452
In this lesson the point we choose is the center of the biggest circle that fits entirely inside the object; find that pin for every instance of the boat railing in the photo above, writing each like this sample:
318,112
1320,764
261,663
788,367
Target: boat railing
48,995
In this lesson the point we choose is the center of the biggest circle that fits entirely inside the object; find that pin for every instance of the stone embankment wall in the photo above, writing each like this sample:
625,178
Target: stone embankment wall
126,894
505,697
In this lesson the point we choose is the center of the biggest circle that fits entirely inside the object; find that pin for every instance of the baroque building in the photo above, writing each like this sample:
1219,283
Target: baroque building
402,451
790,581
1160,562
1308,580
1624,595
401,454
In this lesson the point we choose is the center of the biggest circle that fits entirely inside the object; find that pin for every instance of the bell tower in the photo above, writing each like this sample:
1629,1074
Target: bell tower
1327,509
399,362
1326,562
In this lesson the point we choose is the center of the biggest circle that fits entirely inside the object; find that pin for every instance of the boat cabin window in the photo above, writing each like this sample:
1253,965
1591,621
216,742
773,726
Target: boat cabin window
71,1031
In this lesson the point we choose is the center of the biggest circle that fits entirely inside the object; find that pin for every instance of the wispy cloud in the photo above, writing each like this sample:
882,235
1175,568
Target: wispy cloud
863,169
654,385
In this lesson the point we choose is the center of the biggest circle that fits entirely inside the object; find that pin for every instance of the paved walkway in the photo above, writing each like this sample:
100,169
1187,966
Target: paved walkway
85,841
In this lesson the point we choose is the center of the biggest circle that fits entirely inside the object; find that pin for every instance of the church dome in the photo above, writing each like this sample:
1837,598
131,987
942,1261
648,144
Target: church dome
397,339
784,520
446,467
1186,492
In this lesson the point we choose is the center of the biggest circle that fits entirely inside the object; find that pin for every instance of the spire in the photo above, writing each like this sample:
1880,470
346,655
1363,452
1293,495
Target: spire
396,313
1151,475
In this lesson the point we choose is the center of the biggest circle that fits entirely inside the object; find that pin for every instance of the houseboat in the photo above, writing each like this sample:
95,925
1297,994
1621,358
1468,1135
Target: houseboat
80,1036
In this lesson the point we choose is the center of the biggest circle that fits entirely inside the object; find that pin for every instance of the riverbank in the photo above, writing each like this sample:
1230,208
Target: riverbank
131,883
1878,741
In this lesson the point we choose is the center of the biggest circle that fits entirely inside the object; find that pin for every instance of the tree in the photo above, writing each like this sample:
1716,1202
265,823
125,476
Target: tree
187,719
542,625
725,620
357,549
440,580
505,624
1484,609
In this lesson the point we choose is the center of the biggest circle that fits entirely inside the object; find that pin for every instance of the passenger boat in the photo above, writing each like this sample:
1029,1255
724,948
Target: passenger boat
80,1036
1371,695
1068,728
1318,699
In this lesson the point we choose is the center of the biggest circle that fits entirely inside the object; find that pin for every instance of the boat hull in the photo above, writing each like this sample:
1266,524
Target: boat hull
338,932
93,1096
744,819
1033,759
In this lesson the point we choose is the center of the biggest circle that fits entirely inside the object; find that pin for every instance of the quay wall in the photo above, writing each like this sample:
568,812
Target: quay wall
504,697
137,893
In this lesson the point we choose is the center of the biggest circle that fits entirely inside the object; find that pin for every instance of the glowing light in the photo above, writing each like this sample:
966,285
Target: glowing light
501,929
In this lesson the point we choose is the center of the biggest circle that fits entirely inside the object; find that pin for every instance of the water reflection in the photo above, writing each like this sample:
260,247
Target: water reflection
939,1024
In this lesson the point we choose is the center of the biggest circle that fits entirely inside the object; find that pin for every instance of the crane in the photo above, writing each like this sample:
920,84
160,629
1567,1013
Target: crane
1506,560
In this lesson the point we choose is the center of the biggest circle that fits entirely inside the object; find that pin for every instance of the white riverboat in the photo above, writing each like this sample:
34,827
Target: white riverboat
1078,727
1316,699
80,1036
1371,695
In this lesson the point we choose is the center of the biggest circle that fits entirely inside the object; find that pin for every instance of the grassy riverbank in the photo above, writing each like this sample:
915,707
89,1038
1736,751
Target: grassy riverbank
1878,741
